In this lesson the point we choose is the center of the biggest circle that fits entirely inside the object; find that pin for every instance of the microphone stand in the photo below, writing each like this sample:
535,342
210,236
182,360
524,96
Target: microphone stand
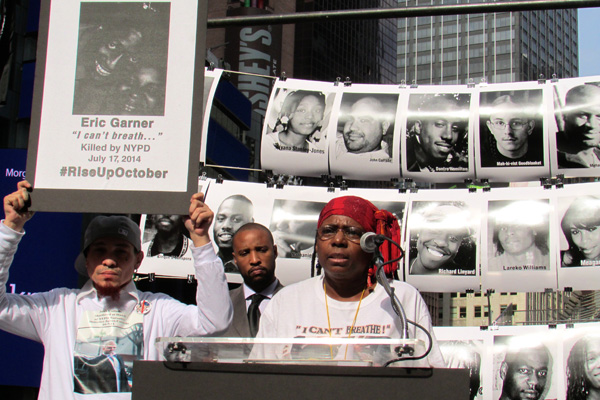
396,305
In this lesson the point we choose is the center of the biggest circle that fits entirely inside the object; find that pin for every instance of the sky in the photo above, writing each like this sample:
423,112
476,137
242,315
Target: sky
589,35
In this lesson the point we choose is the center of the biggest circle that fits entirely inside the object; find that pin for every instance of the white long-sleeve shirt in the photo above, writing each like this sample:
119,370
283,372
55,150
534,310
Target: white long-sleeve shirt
54,318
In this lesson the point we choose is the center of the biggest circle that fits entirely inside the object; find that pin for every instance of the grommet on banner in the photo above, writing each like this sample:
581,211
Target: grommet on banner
414,84
283,77
337,81
402,84
219,178
347,82
151,277
331,188
279,184
554,78
483,81
343,186
211,66
472,189
471,83
203,176
402,190
541,79
190,278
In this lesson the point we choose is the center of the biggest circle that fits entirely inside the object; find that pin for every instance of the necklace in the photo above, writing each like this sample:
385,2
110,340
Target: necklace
353,321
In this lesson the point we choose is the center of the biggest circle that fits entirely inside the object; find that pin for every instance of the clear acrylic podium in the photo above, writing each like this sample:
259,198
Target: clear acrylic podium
234,368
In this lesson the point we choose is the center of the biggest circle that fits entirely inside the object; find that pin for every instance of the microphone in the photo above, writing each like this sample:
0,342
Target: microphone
370,242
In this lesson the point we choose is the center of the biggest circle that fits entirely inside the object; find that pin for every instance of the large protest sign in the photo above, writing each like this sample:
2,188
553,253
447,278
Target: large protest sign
117,98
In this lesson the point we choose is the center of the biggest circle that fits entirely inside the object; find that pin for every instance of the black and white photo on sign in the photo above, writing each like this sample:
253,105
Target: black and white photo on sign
231,214
121,58
115,109
574,126
166,243
211,82
519,231
525,364
581,358
442,249
363,140
578,222
511,136
294,226
165,236
466,347
437,135
294,138
518,240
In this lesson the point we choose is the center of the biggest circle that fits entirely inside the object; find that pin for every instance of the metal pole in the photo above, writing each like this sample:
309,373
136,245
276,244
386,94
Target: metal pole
406,12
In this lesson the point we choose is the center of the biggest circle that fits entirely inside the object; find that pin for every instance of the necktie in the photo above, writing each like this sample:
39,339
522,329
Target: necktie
254,313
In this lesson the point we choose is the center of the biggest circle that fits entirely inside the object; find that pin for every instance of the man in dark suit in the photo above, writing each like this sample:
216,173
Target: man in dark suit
254,253
103,374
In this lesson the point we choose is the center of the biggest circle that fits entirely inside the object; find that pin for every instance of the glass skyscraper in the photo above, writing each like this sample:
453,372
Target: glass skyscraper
363,50
499,47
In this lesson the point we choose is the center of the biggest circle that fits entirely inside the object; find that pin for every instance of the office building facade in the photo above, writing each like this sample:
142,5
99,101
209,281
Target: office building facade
362,50
498,47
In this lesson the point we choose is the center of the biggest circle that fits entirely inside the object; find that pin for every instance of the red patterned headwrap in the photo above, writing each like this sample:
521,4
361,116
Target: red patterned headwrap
371,219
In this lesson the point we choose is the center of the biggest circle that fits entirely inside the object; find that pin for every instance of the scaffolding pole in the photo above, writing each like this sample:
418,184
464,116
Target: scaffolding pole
404,12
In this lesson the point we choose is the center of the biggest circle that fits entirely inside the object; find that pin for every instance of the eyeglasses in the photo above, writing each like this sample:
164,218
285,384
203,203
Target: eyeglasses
328,232
513,123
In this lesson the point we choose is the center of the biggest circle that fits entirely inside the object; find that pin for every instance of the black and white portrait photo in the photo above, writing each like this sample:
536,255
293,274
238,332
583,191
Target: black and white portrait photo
299,123
511,128
165,236
294,227
519,234
580,226
583,368
437,132
233,212
465,354
522,369
442,241
121,58
577,115
295,131
365,125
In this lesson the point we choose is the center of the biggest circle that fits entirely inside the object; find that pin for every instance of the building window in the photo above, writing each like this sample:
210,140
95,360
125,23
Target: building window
477,311
463,312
